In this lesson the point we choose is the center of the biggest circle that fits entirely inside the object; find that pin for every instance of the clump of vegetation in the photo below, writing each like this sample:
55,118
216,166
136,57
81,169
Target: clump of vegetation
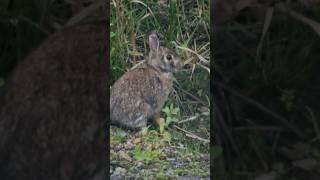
151,154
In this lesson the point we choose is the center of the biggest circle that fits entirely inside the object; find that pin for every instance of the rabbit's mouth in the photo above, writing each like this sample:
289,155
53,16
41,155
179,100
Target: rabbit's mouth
177,66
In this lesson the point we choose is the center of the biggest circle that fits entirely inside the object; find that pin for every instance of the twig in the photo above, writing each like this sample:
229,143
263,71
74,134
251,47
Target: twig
204,67
275,142
314,122
138,64
258,152
243,4
266,26
189,134
264,109
259,128
311,23
188,119
221,124
85,12
34,24
193,52
191,95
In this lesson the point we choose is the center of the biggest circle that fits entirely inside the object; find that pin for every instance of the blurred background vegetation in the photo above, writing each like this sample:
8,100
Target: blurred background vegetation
267,89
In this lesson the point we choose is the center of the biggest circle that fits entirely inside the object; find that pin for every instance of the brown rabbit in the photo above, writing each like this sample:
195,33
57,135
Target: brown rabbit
52,121
140,93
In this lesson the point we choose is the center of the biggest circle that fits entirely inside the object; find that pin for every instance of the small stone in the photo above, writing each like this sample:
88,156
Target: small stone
140,164
129,145
118,147
147,146
162,157
171,159
120,171
137,140
125,156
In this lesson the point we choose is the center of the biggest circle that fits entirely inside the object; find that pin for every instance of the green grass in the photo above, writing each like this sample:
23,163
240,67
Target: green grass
158,156
185,28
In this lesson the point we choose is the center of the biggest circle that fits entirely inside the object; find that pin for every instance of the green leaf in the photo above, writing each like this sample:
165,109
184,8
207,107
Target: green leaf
174,120
141,155
162,127
169,120
171,106
166,136
112,34
166,110
175,111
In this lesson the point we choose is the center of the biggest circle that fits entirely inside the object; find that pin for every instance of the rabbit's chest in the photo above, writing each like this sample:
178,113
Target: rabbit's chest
161,88
166,85
166,81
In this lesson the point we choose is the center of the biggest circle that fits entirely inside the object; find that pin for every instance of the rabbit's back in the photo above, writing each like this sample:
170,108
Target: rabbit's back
54,108
137,95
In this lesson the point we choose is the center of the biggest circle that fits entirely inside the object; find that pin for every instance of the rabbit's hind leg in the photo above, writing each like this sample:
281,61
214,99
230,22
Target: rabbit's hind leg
156,119
141,116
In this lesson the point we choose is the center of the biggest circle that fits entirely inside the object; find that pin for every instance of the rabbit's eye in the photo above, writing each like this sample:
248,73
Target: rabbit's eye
169,57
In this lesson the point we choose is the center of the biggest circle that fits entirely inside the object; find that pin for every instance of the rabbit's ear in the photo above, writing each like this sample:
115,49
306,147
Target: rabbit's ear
154,42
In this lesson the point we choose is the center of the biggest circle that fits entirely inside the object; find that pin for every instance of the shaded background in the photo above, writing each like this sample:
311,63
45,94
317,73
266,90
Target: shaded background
266,89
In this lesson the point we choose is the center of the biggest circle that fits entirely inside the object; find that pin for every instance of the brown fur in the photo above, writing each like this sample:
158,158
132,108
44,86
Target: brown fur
52,121
140,93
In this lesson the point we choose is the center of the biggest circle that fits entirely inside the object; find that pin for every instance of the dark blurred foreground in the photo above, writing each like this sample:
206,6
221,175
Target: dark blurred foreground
53,104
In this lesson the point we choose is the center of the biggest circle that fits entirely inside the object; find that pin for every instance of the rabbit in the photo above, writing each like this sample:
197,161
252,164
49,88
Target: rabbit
52,119
140,93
